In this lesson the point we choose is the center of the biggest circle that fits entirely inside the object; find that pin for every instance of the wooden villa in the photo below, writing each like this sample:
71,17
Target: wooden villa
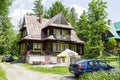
43,37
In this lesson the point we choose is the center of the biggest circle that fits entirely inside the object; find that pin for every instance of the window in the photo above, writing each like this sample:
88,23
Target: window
65,46
37,47
48,32
80,49
93,63
56,47
24,33
73,47
118,43
57,33
64,32
102,64
22,48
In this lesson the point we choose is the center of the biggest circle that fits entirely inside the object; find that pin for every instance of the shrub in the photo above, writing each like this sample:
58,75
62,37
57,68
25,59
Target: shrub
2,75
101,75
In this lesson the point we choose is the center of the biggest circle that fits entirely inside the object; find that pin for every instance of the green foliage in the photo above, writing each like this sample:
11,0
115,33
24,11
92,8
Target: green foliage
2,75
38,7
15,47
72,17
101,75
82,27
4,7
56,8
90,27
111,43
55,70
6,32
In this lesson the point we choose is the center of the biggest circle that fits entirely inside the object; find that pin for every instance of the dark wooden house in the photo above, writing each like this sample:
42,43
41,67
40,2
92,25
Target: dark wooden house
47,36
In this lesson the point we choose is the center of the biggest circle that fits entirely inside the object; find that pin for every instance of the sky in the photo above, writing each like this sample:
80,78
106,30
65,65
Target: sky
19,8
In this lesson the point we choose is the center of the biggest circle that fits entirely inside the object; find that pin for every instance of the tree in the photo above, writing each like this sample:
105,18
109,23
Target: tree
94,24
82,27
15,46
38,7
56,8
6,35
4,8
73,17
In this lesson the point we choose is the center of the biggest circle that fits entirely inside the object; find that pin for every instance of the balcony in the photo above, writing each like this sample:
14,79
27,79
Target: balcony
63,37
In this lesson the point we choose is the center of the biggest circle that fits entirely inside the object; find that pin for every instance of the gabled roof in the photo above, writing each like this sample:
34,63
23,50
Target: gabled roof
58,21
117,26
115,29
34,28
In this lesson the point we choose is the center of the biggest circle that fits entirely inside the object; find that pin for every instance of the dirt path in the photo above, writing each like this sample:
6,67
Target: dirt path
16,72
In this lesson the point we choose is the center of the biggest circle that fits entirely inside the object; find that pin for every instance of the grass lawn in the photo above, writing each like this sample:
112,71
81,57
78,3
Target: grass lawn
2,75
54,70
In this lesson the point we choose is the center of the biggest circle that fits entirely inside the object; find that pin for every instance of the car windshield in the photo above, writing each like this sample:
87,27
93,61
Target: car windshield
81,62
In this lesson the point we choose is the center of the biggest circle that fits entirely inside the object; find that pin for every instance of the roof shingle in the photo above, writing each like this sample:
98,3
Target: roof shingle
34,28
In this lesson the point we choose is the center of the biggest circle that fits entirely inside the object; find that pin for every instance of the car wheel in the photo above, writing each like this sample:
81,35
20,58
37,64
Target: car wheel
76,75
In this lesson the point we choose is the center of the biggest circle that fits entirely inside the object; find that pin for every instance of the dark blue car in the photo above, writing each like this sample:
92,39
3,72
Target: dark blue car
88,65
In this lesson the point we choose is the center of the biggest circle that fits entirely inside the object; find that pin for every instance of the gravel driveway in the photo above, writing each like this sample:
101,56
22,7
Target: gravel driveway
16,72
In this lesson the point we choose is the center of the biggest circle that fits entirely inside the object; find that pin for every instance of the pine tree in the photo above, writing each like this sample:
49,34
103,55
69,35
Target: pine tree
38,7
73,17
56,8
4,8
6,35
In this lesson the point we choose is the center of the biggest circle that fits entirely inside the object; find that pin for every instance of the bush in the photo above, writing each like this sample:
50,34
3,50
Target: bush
2,75
102,75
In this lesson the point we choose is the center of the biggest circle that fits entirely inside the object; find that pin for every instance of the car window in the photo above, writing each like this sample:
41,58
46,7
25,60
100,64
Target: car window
93,63
102,63
80,62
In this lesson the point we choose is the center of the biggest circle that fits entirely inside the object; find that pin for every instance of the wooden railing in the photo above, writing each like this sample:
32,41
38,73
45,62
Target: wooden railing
62,37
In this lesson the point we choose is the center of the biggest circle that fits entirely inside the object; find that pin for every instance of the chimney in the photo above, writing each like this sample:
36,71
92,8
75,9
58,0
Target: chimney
109,22
40,17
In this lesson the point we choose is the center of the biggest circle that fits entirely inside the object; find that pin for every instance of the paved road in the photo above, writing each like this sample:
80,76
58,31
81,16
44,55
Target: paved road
16,72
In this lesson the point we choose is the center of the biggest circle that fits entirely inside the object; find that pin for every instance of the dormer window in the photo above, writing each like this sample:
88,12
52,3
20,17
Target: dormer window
24,32
57,33
65,34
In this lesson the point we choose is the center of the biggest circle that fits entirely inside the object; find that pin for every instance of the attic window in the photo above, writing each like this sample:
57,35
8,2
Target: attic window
24,33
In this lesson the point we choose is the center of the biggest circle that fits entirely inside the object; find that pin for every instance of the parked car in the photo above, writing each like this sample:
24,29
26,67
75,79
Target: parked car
88,65
7,58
